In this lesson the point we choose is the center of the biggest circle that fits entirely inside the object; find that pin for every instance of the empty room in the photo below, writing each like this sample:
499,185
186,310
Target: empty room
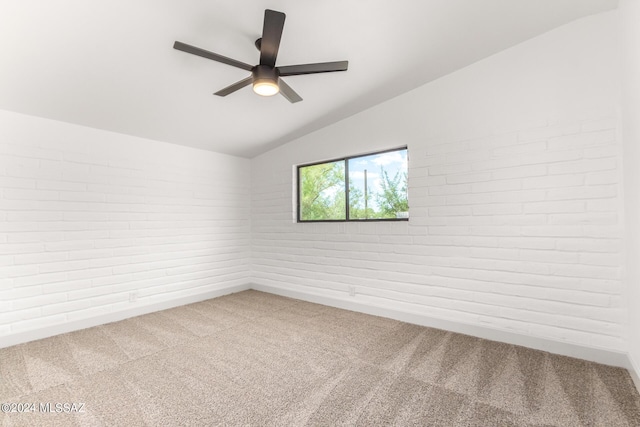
286,213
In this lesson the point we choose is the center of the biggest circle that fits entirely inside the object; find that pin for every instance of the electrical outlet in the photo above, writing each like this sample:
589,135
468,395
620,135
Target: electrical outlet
133,296
352,291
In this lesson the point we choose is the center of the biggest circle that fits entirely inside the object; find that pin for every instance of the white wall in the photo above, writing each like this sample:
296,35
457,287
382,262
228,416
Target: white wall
630,25
515,196
87,217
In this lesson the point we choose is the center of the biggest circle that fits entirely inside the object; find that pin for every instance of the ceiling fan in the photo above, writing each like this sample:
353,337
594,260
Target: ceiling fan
265,76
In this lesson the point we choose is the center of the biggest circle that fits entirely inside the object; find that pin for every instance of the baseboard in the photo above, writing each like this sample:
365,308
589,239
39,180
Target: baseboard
634,371
593,354
26,336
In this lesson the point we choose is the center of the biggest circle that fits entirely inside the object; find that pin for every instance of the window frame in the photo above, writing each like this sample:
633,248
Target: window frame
346,184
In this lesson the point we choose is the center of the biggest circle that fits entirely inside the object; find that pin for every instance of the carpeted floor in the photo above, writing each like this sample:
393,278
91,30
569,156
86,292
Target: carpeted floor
253,358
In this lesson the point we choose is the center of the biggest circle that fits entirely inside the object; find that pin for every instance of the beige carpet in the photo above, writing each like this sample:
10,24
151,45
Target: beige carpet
257,359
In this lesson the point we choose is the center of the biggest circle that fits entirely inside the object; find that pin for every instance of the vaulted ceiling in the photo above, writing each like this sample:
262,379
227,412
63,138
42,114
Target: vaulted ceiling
110,64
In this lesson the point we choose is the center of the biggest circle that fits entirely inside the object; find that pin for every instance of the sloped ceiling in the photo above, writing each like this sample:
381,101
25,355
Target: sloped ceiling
110,64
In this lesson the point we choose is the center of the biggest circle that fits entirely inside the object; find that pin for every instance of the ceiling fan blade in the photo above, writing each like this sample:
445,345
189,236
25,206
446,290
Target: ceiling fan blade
210,55
288,93
271,35
321,67
234,87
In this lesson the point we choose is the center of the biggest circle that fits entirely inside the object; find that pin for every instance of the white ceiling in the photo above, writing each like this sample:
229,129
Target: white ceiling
110,64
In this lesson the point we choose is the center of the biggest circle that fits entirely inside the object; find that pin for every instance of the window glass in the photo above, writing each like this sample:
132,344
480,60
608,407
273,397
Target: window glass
376,188
322,192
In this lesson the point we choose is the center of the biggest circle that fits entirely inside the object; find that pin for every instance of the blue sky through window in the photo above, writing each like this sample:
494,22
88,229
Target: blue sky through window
392,162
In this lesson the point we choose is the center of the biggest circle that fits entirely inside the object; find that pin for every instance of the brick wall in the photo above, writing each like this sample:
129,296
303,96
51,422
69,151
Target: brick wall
93,222
514,193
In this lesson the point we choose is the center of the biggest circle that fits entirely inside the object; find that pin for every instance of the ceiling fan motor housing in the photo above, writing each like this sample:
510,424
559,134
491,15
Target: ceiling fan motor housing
266,80
265,73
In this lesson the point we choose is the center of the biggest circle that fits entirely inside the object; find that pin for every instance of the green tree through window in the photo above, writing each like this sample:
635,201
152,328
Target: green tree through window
322,192
393,198
375,186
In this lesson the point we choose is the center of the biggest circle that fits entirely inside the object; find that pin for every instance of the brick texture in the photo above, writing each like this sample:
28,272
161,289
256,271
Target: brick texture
521,249
89,218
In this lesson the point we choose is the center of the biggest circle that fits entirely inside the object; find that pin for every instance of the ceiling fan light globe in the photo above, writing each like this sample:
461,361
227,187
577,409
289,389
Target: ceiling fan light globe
265,87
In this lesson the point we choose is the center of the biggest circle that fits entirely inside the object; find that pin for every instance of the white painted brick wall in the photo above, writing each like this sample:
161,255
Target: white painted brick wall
514,193
506,248
87,217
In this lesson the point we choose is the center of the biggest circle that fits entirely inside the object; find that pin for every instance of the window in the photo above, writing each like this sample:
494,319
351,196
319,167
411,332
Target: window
372,187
